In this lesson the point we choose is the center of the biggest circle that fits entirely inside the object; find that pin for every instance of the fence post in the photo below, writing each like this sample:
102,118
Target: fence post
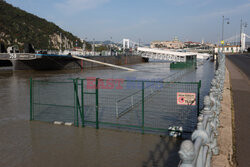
142,107
82,101
31,99
75,82
97,103
198,101
77,109
196,65
74,100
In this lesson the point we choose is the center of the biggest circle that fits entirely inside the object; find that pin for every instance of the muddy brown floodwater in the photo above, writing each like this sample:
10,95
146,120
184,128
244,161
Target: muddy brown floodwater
35,144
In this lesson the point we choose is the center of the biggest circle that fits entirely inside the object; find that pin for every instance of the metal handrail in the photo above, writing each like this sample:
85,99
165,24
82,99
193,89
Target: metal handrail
198,151
157,81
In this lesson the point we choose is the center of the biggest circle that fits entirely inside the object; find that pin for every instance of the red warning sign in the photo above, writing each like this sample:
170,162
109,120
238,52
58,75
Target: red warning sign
186,98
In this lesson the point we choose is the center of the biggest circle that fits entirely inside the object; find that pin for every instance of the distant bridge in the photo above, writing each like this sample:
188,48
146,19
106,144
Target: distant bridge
239,37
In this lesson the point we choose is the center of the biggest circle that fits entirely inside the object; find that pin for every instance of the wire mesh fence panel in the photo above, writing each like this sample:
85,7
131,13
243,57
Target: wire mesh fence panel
118,103
171,105
53,101
138,105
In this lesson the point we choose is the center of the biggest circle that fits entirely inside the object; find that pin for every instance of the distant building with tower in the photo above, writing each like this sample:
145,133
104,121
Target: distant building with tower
190,44
175,44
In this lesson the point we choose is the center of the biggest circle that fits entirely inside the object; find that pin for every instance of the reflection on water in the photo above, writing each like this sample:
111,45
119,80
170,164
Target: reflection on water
24,143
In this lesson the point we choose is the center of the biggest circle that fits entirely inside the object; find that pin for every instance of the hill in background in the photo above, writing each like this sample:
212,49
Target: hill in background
18,27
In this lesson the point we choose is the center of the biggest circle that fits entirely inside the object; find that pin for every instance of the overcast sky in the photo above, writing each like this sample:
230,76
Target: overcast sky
147,20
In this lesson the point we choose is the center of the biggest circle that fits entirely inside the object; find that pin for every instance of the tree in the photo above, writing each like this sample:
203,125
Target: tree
20,27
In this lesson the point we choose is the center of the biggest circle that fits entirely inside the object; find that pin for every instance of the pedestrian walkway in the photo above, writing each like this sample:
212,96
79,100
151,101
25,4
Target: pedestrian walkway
241,100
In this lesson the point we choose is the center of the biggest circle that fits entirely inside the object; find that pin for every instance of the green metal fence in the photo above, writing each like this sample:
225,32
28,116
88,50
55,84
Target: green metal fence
151,106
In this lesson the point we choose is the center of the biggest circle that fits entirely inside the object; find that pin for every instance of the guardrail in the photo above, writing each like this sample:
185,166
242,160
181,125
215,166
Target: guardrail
198,152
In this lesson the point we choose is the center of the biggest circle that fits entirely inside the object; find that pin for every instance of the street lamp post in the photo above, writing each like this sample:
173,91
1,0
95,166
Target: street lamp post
222,35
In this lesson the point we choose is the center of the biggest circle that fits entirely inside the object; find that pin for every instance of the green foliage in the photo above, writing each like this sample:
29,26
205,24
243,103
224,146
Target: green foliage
101,48
19,27
88,46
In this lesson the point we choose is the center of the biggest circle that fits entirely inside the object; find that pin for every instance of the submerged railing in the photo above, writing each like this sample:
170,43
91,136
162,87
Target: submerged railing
198,152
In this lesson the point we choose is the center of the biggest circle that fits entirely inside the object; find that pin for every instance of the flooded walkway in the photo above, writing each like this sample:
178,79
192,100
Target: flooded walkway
25,143
42,144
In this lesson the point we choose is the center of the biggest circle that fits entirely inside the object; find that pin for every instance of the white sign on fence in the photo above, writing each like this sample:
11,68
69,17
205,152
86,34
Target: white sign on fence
186,98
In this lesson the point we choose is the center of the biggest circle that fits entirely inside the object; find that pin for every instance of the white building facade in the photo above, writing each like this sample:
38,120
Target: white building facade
228,49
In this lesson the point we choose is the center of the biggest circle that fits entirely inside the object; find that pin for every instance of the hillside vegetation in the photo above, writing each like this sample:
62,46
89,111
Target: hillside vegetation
18,27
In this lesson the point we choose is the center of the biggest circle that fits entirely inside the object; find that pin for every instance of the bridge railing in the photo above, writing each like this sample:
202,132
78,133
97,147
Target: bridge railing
199,151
